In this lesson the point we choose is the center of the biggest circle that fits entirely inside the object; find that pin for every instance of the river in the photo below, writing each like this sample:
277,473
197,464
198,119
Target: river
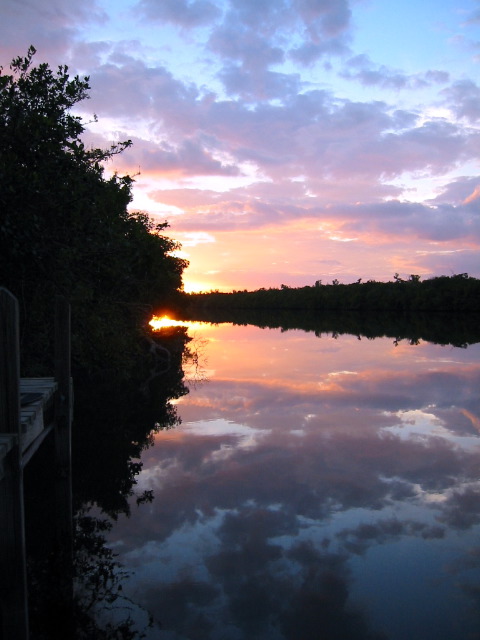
318,486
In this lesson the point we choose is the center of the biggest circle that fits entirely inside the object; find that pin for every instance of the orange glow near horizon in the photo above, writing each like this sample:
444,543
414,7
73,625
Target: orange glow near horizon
269,257
192,286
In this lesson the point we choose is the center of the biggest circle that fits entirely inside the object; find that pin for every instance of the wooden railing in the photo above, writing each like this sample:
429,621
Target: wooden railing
46,410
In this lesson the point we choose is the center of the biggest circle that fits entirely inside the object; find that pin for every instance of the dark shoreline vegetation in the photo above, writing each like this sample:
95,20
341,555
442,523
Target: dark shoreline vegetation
457,330
65,229
457,293
443,310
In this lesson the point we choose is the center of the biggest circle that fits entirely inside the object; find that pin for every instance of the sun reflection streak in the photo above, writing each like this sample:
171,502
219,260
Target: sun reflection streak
163,322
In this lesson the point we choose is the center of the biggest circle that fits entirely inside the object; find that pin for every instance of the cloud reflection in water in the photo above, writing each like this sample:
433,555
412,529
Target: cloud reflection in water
316,489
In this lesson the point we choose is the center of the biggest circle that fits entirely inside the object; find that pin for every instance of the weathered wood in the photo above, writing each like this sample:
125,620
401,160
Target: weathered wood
9,364
62,430
47,406
63,411
37,416
13,574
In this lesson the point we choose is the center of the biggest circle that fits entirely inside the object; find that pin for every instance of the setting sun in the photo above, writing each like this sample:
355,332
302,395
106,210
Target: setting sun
160,322
163,322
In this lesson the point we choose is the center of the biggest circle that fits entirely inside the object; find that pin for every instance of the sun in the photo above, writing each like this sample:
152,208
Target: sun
195,286
164,322
160,322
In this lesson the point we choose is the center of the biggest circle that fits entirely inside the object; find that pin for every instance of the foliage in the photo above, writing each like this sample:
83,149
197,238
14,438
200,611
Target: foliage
445,310
458,293
101,610
97,608
65,227
454,329
115,421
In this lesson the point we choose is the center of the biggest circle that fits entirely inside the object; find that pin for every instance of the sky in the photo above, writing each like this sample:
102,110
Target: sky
284,141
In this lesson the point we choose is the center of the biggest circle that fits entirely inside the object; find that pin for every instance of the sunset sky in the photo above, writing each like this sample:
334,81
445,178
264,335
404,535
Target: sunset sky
285,141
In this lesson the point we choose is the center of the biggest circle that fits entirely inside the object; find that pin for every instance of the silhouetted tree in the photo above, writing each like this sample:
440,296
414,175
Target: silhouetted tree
65,227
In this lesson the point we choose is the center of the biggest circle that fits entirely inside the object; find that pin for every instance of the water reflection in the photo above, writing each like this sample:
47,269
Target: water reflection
316,488
165,322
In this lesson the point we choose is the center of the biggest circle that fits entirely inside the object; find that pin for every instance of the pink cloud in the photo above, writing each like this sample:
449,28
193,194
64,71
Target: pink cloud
295,150
188,158
50,26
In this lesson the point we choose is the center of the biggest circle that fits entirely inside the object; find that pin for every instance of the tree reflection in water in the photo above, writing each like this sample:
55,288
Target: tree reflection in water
273,519
316,488
116,417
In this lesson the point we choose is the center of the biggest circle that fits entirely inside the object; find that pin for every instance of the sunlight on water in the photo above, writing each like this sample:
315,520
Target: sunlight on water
162,322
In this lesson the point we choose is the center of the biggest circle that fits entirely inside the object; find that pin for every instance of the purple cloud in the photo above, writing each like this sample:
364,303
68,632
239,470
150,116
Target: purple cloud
188,158
182,13
361,68
463,97
49,26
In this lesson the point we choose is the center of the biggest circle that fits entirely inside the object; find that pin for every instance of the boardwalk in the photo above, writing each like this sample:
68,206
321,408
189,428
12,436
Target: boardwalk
30,410
36,413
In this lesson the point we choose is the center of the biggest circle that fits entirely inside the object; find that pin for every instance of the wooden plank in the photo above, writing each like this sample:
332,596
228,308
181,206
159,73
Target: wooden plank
32,416
63,455
28,384
33,447
9,364
63,415
13,574
7,442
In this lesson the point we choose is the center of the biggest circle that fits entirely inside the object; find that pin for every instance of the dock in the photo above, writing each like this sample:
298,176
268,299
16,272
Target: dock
35,424
31,410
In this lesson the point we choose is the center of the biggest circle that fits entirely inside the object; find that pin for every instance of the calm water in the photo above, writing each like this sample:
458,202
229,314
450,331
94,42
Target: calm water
316,488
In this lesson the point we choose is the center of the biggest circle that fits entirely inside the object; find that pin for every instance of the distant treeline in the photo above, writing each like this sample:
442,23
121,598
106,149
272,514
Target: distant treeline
443,310
457,293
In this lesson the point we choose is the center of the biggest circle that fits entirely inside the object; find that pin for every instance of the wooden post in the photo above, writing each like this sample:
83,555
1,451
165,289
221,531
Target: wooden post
63,461
63,416
13,576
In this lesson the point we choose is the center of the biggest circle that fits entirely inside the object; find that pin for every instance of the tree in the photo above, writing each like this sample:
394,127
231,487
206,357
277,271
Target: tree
65,227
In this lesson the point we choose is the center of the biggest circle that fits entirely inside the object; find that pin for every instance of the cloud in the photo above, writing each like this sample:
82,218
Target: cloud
463,97
232,42
253,100
361,68
343,150
327,18
50,26
252,38
187,158
461,190
475,195
232,512
182,13
271,486
127,88
360,539
462,510
258,84
437,222
474,17
440,223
